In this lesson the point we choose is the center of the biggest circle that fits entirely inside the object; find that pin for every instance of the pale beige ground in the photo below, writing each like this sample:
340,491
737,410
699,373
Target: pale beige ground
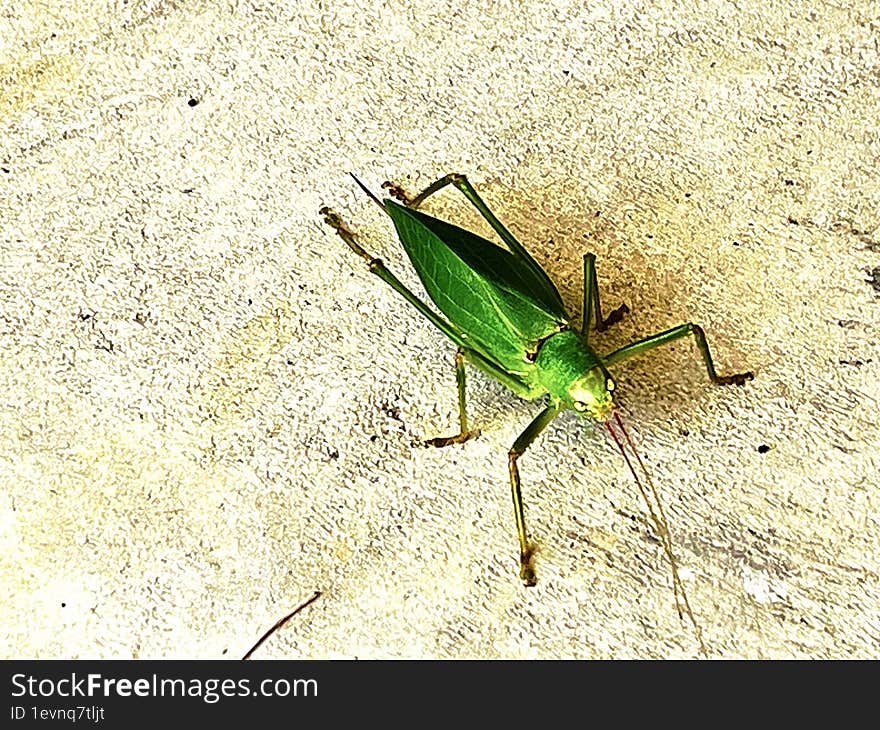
211,410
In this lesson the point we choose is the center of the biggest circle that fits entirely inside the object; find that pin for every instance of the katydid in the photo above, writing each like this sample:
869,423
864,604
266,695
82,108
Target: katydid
508,320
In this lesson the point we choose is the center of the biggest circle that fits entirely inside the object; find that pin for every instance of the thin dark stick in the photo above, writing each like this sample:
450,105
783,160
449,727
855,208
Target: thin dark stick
280,623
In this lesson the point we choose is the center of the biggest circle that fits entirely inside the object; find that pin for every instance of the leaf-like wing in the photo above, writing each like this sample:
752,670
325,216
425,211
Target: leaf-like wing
501,304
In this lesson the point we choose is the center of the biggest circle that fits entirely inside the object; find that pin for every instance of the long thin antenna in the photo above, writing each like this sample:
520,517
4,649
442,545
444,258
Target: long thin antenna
658,517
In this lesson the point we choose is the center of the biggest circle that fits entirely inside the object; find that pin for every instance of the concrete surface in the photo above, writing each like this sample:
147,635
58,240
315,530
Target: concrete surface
211,410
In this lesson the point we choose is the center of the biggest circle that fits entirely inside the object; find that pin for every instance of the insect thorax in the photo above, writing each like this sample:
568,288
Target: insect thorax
573,374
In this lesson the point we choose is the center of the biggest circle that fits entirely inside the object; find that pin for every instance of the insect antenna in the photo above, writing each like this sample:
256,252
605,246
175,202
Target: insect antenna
658,516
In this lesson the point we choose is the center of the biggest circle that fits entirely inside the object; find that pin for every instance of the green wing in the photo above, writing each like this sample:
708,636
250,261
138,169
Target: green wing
503,304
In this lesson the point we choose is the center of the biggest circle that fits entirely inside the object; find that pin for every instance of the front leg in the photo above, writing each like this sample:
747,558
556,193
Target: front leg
532,431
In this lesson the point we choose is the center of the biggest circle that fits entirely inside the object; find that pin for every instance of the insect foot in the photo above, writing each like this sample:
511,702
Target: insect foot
526,569
397,192
737,379
460,438
613,318
332,219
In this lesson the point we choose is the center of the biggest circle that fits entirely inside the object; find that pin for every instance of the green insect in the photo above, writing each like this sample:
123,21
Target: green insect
506,317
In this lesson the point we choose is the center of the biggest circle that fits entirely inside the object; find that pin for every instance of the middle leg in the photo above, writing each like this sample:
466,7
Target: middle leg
663,338
465,433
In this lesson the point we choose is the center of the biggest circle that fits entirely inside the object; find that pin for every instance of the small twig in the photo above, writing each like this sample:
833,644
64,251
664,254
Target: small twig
280,623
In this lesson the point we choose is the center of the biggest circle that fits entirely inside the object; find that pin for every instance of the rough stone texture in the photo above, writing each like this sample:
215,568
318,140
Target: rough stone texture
210,409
